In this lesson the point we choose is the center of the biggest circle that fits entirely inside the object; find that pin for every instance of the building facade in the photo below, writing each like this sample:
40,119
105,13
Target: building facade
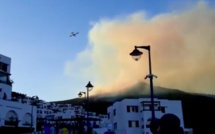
68,114
131,116
19,110
15,108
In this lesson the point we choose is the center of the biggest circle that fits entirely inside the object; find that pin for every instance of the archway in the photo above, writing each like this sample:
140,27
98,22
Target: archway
11,118
26,120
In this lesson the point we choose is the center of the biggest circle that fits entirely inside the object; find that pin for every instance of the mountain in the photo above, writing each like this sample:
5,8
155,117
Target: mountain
198,109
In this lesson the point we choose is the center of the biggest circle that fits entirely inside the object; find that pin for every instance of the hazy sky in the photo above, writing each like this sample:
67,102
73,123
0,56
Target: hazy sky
48,63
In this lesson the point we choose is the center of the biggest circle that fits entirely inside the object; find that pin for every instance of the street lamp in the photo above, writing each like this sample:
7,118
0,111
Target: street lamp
89,87
136,55
33,102
80,95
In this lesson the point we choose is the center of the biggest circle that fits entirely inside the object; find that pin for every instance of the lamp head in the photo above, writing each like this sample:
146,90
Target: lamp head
80,94
89,86
136,54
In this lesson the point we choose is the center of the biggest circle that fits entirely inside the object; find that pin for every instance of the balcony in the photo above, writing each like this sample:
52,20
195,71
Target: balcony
8,82
12,122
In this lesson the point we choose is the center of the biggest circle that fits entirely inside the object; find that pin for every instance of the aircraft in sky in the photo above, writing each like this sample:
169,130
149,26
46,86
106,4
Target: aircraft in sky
73,34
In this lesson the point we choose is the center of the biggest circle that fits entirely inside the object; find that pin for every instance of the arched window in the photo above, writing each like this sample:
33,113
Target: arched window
26,119
11,118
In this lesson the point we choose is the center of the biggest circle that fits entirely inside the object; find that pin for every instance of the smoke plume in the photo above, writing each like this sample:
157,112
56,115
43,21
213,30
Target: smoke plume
182,48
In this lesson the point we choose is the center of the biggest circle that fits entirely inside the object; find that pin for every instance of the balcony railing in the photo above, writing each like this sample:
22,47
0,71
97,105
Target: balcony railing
12,123
9,82
26,124
15,99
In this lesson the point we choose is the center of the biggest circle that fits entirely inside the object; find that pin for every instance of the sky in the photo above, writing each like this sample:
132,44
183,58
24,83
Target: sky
48,63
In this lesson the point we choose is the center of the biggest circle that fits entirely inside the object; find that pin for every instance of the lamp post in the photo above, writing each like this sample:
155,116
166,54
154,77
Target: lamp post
84,105
89,87
136,55
80,95
33,102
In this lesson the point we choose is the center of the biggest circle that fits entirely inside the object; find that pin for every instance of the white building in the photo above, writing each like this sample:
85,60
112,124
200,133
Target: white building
48,110
133,116
68,113
15,108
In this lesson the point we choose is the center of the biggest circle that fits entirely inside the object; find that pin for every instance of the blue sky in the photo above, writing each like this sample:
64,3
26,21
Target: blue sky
35,34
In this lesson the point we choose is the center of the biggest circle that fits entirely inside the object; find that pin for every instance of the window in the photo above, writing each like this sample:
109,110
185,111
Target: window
128,109
163,109
115,126
108,115
137,123
135,108
147,105
114,112
5,96
3,67
129,124
148,123
132,108
133,124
